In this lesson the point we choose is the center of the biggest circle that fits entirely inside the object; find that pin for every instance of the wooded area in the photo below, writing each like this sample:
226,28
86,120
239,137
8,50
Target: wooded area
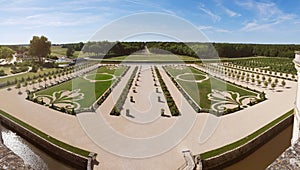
108,49
203,50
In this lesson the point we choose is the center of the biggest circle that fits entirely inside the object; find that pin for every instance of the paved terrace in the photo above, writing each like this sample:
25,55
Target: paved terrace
218,131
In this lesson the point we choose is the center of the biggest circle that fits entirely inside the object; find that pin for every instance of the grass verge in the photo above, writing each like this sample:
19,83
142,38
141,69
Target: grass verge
48,138
243,141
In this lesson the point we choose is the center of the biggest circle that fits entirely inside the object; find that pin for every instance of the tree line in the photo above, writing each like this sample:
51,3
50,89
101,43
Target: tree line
247,50
40,47
202,50
108,49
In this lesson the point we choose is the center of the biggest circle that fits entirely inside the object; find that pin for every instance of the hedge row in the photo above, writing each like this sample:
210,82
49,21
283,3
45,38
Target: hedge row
172,106
116,111
185,95
108,91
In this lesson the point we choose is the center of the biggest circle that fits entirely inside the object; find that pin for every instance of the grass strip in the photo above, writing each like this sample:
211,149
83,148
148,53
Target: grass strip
246,139
48,138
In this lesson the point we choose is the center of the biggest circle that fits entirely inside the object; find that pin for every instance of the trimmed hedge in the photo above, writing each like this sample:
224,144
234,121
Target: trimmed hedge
116,111
172,106
108,91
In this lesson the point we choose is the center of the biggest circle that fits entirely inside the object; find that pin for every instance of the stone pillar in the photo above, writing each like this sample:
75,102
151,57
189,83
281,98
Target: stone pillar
296,129
1,139
91,159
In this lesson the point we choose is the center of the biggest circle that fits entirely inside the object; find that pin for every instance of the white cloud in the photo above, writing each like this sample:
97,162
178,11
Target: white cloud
253,26
56,19
227,11
215,17
231,13
151,5
266,15
213,29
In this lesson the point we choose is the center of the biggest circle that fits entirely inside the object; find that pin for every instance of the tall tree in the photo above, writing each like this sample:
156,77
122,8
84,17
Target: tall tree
70,52
6,53
39,47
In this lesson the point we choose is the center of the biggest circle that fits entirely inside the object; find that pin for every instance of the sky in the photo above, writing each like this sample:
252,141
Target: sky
235,21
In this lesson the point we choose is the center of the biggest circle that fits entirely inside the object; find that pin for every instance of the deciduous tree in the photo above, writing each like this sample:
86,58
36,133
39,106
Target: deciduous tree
39,47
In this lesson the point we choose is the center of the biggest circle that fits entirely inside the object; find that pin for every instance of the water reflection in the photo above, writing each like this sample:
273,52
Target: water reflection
15,143
266,154
31,155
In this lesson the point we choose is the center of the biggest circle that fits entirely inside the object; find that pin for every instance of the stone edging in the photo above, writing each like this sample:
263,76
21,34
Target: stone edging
233,156
72,159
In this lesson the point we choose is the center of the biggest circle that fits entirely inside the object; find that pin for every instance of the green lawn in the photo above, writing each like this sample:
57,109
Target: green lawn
199,91
91,90
58,51
152,57
6,70
99,76
192,77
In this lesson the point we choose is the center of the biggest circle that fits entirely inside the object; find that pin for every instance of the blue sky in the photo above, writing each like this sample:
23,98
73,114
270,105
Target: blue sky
63,21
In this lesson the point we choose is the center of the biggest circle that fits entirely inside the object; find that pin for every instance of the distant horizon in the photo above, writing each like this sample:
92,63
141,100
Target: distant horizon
53,44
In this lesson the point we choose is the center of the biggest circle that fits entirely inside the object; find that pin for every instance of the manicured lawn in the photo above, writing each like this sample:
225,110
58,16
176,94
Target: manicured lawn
153,57
199,91
192,77
91,90
99,76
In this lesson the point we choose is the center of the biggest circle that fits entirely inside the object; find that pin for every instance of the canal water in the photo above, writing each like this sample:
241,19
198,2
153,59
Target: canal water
265,155
31,155
39,160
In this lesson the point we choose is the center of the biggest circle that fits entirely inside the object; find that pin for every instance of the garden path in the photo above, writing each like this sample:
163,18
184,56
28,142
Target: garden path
218,131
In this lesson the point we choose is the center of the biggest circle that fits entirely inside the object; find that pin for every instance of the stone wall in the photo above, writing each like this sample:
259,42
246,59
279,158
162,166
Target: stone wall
56,152
233,156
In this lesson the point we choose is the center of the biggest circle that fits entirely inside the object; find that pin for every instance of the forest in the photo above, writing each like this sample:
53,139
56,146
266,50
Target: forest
202,50
108,49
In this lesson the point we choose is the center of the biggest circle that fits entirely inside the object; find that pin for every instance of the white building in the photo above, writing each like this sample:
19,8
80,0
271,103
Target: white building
296,127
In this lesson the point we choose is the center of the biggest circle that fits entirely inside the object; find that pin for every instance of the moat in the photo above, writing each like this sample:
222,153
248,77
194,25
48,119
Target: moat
31,155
